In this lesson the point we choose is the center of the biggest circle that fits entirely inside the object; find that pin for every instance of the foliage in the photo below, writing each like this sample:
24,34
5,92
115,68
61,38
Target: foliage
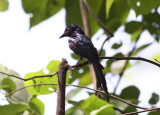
113,14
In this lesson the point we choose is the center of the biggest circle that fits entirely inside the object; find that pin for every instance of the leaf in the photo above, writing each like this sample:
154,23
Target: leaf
130,109
94,103
152,24
4,5
133,26
154,113
143,6
41,9
130,92
108,6
8,85
13,109
21,96
73,93
116,45
154,98
141,48
156,56
85,79
74,111
37,106
52,67
117,15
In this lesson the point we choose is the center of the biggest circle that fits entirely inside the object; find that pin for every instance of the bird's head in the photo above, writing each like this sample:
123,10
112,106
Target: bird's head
71,30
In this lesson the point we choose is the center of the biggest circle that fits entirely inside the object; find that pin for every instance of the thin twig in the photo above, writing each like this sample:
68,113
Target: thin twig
80,87
50,75
100,51
99,22
150,109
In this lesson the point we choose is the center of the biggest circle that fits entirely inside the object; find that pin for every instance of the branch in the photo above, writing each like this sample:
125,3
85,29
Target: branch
100,51
132,58
99,22
50,75
150,109
122,100
63,67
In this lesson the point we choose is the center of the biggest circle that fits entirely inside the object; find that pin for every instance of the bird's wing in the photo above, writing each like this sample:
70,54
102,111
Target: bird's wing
84,48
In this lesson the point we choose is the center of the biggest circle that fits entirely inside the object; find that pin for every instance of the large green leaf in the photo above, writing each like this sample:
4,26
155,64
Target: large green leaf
21,96
3,5
37,106
118,14
52,67
41,9
143,6
13,109
95,105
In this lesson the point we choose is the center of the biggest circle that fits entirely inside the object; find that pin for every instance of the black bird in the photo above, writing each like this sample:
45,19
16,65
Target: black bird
81,45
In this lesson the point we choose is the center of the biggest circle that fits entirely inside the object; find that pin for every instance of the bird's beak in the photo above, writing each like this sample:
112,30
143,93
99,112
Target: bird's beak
63,35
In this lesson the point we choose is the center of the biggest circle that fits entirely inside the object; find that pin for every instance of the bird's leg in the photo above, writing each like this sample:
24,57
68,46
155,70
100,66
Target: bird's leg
78,62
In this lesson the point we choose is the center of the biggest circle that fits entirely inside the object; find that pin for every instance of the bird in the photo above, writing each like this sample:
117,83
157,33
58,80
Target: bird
82,46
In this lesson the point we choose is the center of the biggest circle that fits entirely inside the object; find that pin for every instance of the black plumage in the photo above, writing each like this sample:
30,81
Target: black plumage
81,45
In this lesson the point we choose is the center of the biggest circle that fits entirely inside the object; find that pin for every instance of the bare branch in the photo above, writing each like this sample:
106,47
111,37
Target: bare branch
50,75
81,87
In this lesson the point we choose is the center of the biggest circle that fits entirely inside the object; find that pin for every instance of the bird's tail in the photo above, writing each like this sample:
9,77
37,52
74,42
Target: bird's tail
100,79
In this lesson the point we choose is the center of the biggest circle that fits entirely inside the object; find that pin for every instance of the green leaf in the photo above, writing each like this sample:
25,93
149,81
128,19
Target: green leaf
41,9
118,14
154,113
8,85
37,106
143,6
133,26
154,98
74,111
108,6
3,5
96,105
116,45
21,96
130,92
13,109
152,24
141,48
85,79
156,56
73,93
130,109
52,67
